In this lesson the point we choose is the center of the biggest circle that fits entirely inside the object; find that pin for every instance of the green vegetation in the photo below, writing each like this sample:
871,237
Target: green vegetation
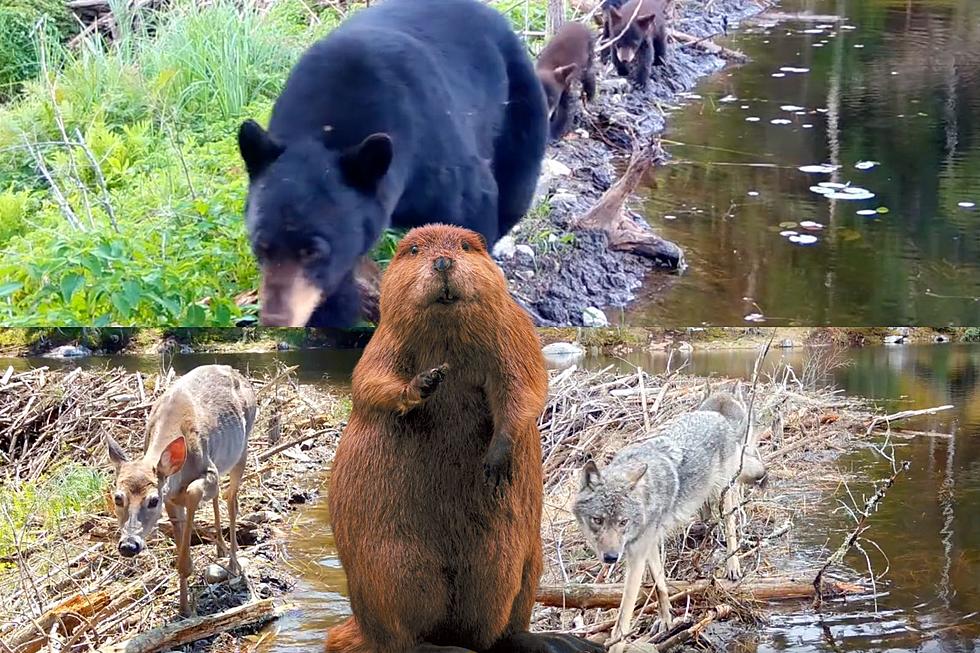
28,507
23,24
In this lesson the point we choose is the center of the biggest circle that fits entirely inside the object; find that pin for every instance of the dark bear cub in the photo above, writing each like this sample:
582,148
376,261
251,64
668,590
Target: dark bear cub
567,58
397,118
602,20
640,40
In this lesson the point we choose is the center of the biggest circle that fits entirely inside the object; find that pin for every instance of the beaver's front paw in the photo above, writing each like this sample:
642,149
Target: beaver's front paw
497,463
427,382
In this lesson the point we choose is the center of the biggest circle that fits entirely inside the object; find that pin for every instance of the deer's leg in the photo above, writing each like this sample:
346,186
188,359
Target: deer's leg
219,538
184,555
234,482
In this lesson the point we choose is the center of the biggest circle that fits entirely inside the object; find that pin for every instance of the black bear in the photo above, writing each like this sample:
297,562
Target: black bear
566,58
602,19
407,113
639,28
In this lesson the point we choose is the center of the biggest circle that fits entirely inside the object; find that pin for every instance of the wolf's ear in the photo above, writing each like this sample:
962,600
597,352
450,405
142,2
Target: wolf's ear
367,162
590,476
116,454
257,148
636,474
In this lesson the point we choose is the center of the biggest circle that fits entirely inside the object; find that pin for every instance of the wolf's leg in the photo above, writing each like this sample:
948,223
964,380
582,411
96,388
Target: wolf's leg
635,564
733,567
656,562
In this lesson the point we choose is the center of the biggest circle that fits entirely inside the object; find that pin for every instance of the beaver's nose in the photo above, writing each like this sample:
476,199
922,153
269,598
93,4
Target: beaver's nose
442,264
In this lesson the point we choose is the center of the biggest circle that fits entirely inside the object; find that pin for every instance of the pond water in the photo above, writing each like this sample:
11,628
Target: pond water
889,97
927,526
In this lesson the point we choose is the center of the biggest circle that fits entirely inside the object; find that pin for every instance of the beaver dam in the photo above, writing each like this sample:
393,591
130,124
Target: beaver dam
63,586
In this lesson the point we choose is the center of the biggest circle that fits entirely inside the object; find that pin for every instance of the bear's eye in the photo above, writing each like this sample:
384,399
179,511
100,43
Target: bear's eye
414,250
119,499
466,246
306,254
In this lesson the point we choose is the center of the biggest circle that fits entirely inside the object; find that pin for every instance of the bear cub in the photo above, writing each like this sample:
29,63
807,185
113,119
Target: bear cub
398,118
640,41
567,58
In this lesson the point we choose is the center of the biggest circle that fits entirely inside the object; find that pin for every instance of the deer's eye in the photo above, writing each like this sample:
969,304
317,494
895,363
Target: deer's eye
153,502
119,499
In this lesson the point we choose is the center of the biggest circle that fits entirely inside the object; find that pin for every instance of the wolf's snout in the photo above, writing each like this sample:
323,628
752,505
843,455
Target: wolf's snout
129,547
610,558
442,264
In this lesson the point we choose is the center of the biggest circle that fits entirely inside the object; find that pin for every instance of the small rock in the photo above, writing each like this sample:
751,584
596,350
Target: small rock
905,332
894,340
69,351
524,255
524,275
593,317
283,346
505,247
940,338
186,349
614,84
563,349
563,198
555,168
786,343
263,517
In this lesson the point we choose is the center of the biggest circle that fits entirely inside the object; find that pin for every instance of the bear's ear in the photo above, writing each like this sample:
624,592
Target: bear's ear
257,148
615,14
645,22
366,163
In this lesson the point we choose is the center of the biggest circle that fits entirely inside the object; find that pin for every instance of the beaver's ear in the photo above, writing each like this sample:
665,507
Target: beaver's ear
257,148
483,241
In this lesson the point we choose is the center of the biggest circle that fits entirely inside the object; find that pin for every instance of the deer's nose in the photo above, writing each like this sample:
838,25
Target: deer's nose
129,547
442,264
610,557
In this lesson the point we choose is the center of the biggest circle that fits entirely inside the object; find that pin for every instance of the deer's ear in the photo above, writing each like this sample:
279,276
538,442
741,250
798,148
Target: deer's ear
173,457
116,454
590,476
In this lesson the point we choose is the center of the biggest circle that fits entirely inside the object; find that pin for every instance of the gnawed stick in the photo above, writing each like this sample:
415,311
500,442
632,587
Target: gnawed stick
185,631
720,611
905,414
779,588
69,614
622,232
708,46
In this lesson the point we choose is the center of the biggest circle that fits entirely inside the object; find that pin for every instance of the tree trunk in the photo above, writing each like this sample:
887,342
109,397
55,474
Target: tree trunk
555,17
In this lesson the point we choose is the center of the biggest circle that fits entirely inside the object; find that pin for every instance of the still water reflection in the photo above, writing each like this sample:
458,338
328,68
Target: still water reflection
889,97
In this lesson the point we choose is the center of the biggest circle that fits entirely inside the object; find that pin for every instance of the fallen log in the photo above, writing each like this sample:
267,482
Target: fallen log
780,588
185,631
622,231
63,618
709,46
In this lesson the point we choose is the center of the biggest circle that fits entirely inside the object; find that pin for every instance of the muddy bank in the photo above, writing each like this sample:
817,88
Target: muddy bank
557,274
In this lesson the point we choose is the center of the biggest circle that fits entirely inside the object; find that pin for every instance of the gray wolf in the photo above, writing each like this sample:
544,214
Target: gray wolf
652,488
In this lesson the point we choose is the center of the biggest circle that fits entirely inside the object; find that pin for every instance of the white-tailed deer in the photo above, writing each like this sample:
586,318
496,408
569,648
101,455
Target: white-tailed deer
196,433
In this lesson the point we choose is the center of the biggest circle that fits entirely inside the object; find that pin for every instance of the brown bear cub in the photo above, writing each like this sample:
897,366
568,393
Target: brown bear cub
567,58
436,489
639,28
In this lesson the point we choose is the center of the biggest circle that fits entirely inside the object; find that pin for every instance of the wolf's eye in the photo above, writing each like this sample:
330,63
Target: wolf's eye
152,502
414,250
596,521
624,522
466,246
119,499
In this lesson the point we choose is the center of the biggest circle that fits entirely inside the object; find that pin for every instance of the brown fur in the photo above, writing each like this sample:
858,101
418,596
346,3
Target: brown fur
567,58
640,41
436,490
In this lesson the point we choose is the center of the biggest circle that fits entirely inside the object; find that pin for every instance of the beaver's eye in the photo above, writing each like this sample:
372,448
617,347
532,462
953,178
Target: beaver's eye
466,246
414,250
119,499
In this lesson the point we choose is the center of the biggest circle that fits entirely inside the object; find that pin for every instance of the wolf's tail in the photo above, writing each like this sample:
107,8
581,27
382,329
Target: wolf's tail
346,638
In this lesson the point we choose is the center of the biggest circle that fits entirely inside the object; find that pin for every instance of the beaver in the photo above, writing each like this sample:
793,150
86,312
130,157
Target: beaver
436,490
566,58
